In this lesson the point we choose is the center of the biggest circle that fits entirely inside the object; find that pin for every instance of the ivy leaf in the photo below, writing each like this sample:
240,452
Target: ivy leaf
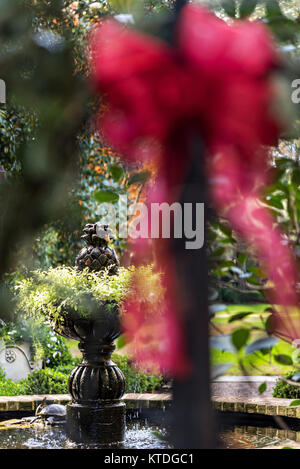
247,7
106,196
283,359
140,177
116,171
238,316
240,337
295,403
262,388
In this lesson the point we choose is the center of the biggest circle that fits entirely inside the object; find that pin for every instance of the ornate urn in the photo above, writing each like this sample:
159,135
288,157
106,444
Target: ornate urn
96,385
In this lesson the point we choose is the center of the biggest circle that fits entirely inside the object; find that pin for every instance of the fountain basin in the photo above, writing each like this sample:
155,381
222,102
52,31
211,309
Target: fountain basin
148,429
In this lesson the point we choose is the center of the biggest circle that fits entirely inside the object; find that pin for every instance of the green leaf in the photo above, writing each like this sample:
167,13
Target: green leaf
106,196
121,341
239,337
262,388
229,7
238,316
275,202
247,7
295,403
218,252
116,171
269,324
140,177
283,359
241,258
226,230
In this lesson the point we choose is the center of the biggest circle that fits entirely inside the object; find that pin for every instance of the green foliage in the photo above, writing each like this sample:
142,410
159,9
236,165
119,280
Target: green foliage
46,108
240,337
55,380
136,381
49,293
286,390
45,381
47,345
10,388
2,374
54,350
262,388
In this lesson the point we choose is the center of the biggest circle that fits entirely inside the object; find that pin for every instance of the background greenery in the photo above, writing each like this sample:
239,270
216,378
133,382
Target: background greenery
59,169
54,380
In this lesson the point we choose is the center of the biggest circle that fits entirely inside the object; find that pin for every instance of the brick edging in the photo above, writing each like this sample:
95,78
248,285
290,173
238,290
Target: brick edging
259,405
133,401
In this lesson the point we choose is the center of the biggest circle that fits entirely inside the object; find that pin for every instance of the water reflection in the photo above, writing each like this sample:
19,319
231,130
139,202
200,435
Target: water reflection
141,434
138,435
251,437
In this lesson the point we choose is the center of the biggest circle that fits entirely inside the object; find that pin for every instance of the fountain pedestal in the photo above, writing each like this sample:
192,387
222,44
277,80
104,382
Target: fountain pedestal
96,415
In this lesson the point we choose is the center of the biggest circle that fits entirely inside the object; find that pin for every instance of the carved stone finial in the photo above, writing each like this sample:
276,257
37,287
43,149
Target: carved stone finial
97,255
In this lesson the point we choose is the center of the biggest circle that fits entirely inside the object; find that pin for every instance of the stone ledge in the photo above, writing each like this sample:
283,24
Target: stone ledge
258,405
133,401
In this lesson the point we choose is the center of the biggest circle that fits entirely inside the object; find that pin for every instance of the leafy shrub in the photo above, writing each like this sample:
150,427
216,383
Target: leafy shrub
136,380
2,374
11,388
55,381
66,369
55,351
286,390
45,381
45,343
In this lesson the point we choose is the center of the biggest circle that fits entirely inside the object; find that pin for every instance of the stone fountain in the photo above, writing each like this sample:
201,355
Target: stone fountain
96,414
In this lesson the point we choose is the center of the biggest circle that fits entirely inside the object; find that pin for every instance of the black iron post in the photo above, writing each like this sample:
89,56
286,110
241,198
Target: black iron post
193,421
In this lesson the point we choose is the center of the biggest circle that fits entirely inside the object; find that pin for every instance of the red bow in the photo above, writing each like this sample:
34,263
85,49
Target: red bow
216,81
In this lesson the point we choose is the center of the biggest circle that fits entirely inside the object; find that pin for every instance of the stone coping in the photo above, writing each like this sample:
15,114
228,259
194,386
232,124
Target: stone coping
258,405
133,401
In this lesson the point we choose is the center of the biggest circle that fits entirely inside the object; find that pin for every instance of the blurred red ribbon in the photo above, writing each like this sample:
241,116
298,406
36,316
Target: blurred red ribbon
215,80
